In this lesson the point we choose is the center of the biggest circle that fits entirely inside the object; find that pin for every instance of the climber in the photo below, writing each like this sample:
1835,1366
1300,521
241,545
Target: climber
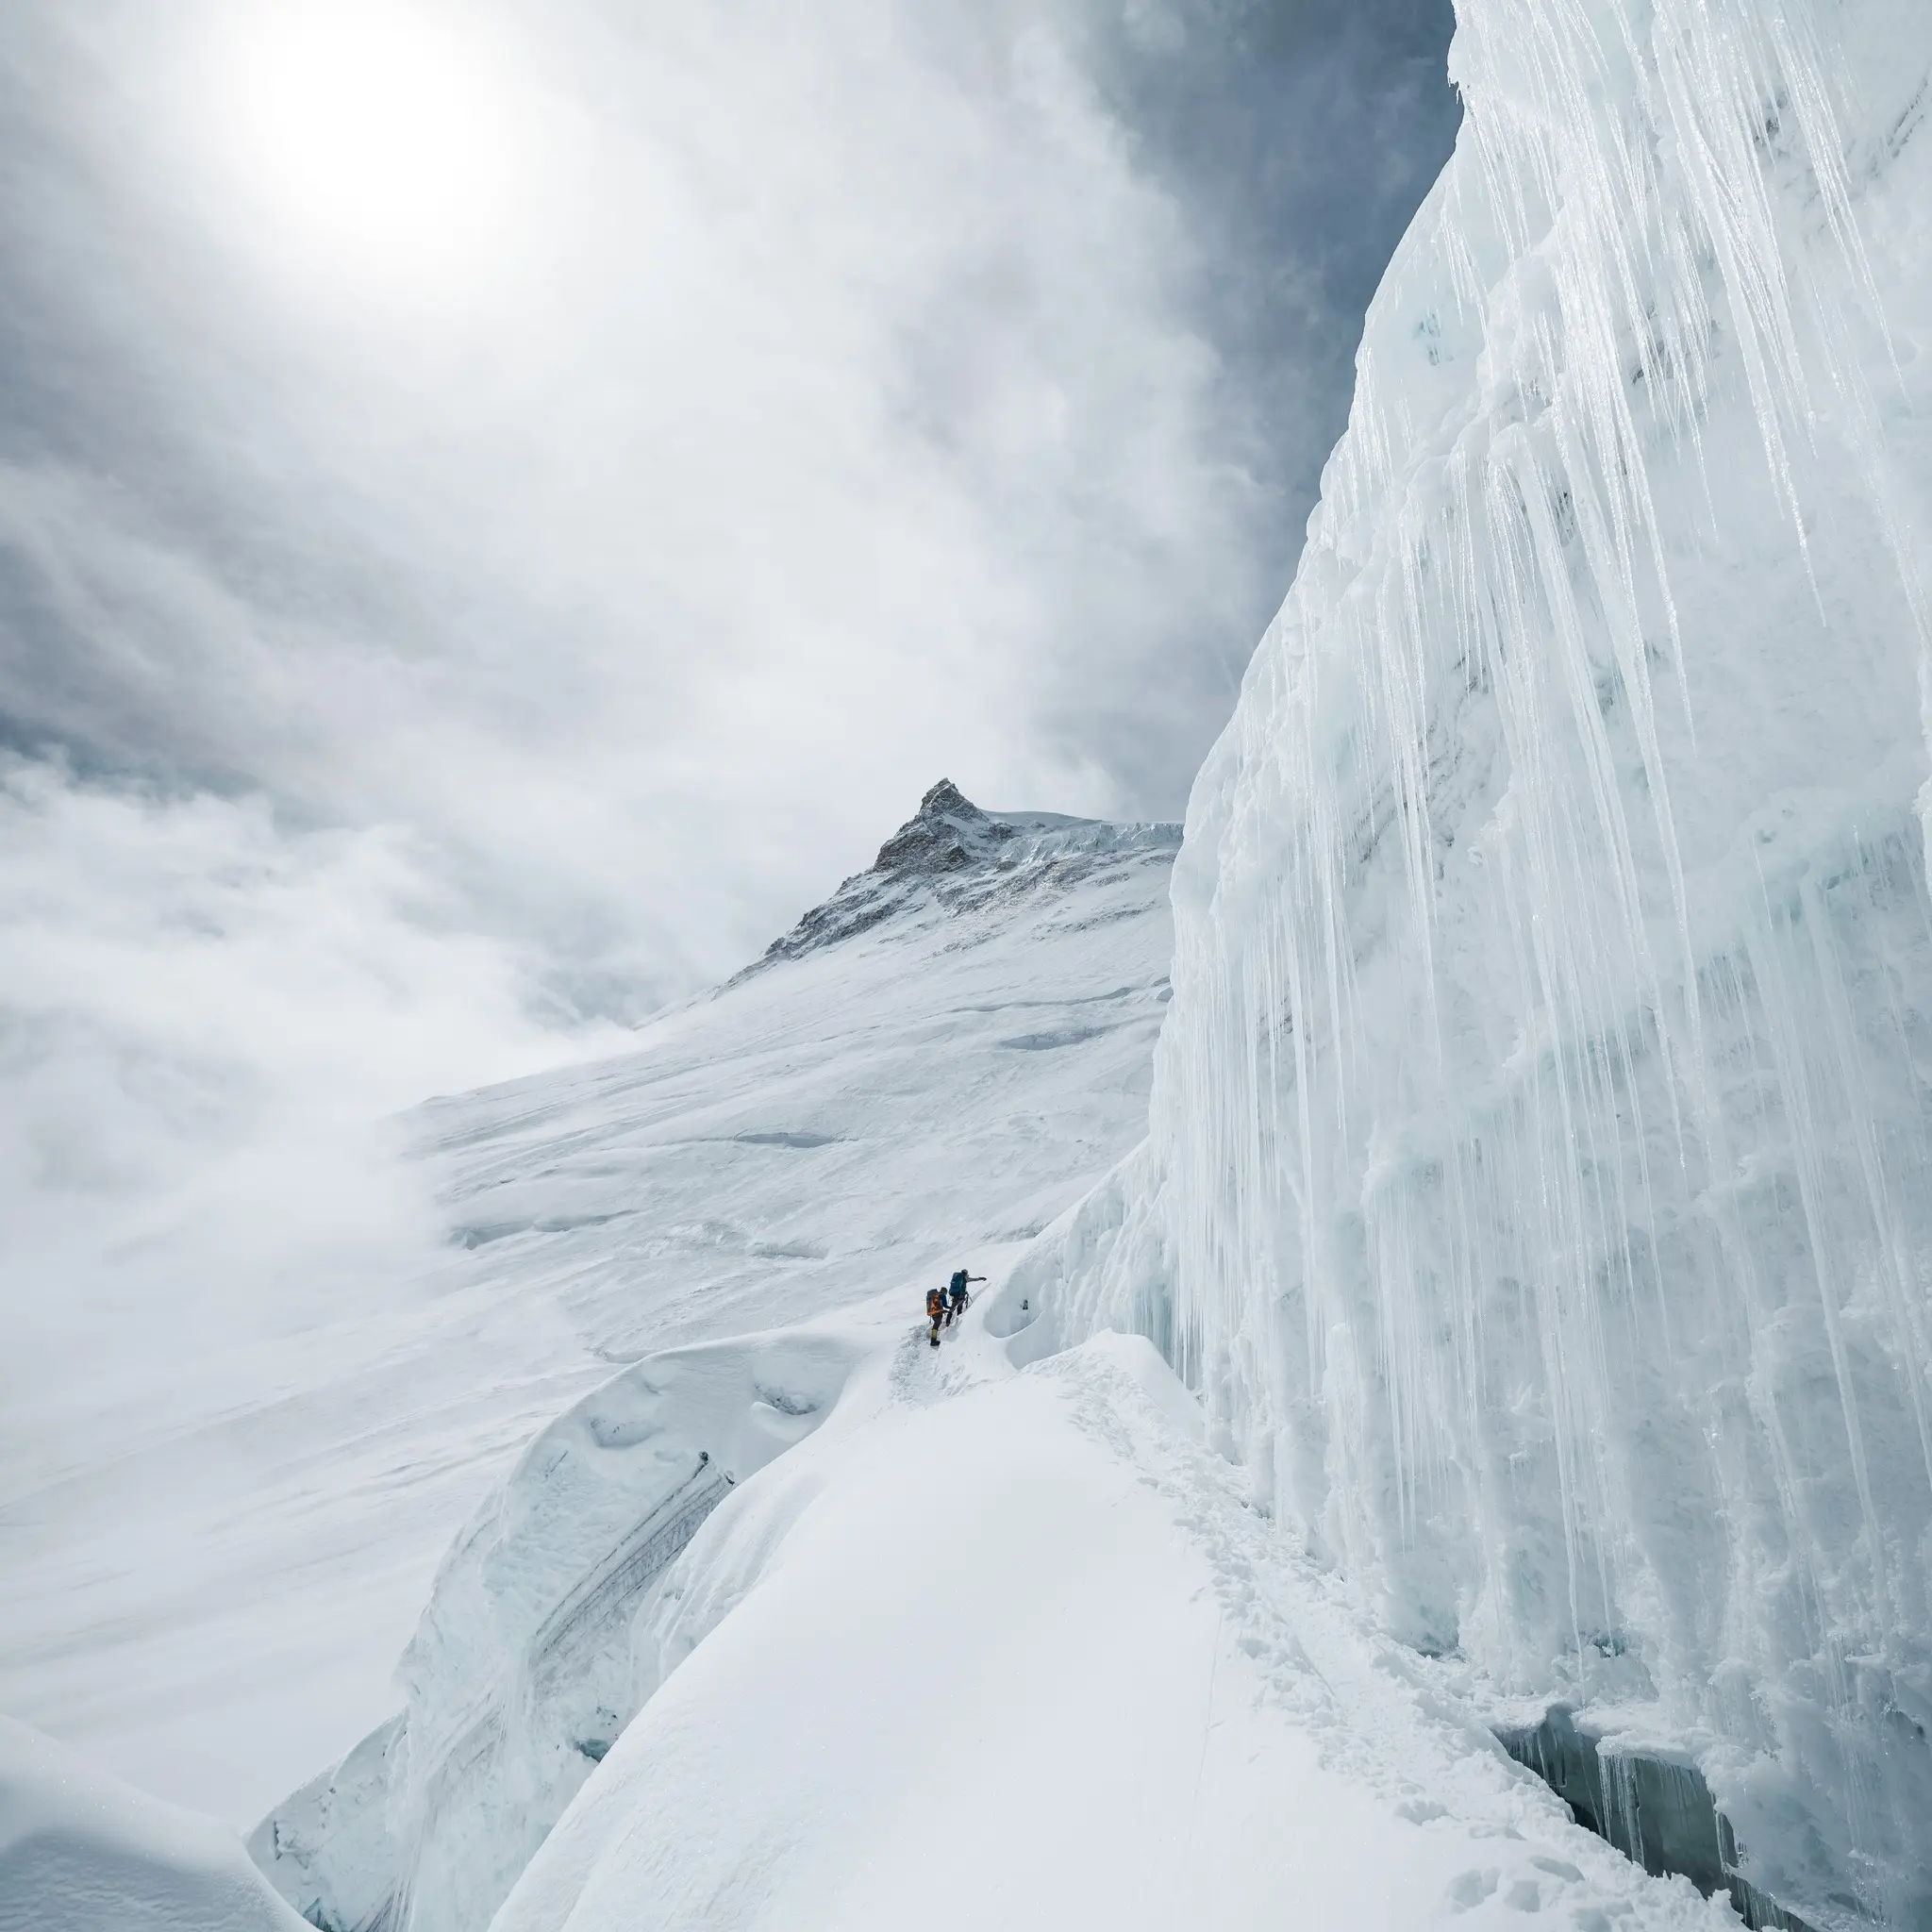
956,1305
934,1311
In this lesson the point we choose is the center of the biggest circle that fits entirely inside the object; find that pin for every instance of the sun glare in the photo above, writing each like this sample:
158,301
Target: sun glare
380,131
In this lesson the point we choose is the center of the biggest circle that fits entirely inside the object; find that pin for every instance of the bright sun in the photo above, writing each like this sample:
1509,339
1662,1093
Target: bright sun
380,128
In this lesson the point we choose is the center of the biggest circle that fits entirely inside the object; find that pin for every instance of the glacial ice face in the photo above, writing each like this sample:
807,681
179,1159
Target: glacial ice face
520,1677
1539,1185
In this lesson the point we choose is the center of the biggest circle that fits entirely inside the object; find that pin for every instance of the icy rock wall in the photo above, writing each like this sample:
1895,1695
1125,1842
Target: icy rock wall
520,1673
1540,1184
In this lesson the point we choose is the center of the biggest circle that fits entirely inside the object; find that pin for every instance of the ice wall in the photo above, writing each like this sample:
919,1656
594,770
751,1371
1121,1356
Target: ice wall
1540,1182
520,1677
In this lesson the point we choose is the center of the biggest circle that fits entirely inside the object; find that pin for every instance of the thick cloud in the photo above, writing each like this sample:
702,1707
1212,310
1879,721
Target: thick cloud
847,397
436,628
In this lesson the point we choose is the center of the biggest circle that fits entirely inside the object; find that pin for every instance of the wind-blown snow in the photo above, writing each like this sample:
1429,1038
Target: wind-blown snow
81,1852
1539,1185
209,1588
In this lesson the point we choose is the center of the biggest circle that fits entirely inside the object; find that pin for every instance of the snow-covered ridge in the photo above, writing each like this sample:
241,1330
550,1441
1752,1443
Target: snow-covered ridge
957,1048
855,1121
952,858
1013,1649
944,1604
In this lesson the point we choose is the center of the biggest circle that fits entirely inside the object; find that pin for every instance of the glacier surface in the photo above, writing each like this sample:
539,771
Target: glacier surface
819,1625
519,1678
962,1641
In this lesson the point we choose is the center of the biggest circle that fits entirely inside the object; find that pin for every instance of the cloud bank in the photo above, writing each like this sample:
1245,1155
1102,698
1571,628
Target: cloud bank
494,522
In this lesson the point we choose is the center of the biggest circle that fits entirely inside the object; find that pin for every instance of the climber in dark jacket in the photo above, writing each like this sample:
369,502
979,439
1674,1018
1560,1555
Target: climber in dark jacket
956,1305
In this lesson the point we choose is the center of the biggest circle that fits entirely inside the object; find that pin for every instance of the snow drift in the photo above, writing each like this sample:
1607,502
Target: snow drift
1539,1187
84,1853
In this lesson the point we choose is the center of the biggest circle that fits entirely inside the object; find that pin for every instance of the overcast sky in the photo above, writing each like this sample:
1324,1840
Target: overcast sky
504,504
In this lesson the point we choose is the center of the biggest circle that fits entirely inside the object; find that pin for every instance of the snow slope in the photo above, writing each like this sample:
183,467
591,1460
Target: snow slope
208,1581
81,1852
960,1641
937,1060
1540,1179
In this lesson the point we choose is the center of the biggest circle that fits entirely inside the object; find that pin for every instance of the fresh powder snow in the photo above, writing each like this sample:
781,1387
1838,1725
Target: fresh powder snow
1013,1648
82,1852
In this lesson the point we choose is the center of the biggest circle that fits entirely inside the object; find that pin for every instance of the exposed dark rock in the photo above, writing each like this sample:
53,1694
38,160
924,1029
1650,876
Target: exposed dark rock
947,833
951,856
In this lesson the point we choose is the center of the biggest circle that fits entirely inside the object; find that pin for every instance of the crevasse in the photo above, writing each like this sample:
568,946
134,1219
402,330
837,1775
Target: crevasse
1539,1185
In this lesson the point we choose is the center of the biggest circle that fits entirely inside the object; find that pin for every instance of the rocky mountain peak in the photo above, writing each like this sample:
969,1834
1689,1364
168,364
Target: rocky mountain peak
947,833
951,858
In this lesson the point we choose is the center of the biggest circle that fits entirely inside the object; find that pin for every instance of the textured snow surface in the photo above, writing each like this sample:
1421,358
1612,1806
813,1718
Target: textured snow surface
210,1577
81,1852
1013,1649
1024,1624
943,1074
1539,1188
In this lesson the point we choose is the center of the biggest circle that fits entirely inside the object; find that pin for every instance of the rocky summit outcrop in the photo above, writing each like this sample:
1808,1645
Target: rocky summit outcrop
952,858
947,833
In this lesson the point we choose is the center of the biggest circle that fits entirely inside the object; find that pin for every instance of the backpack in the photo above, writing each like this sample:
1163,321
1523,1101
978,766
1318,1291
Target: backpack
959,1281
935,1300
